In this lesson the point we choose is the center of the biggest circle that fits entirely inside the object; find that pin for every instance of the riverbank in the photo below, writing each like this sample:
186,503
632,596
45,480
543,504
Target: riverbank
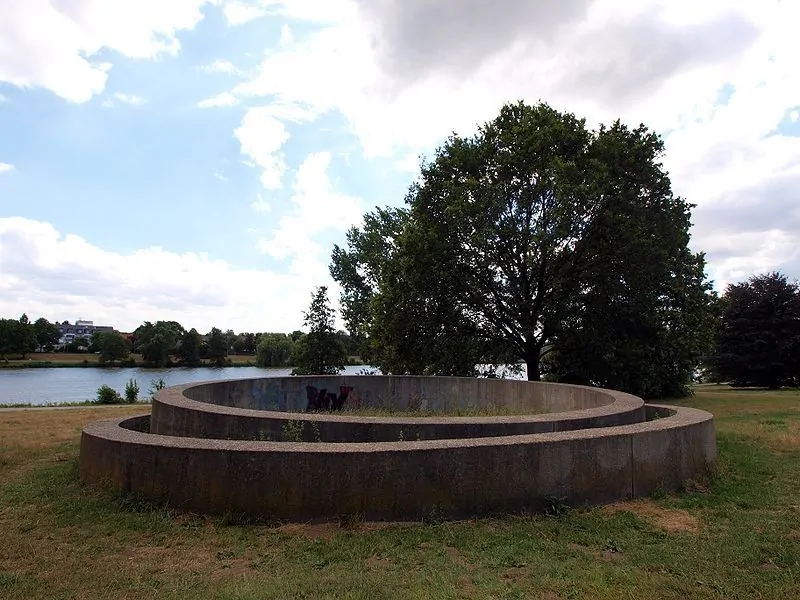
737,538
71,405
50,360
51,386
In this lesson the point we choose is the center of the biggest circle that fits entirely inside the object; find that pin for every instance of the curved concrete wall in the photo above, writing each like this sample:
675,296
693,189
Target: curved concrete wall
398,393
234,409
401,480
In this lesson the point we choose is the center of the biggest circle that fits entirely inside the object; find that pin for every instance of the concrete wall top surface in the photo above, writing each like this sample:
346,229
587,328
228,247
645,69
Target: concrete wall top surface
125,430
289,398
299,394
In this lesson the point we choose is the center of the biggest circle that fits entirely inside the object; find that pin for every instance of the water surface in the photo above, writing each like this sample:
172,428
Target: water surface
74,384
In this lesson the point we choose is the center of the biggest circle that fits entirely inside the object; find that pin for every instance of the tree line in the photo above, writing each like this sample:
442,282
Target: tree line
166,343
21,337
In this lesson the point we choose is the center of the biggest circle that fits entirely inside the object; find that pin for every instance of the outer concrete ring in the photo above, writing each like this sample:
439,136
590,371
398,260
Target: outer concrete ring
401,480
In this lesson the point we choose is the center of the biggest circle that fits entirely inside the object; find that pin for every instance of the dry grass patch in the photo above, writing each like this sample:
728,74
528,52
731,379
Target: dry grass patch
311,531
177,561
30,434
671,520
780,433
65,358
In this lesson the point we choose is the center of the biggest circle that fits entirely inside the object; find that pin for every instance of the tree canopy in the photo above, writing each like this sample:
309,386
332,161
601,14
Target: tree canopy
758,340
320,351
189,349
512,244
156,342
217,346
17,336
47,334
111,345
274,350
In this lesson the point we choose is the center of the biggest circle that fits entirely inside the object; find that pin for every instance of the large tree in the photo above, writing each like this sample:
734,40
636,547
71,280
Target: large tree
26,342
274,350
47,334
506,236
156,342
9,338
189,348
16,337
320,351
217,346
645,313
245,343
111,345
758,341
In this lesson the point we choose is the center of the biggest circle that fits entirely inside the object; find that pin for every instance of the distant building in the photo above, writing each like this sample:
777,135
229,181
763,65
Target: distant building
81,329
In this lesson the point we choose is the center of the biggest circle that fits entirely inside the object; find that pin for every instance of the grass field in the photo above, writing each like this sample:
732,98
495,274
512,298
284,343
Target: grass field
739,538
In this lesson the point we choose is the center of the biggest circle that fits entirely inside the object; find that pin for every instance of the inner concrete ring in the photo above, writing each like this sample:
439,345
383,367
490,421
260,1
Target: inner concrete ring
277,409
403,478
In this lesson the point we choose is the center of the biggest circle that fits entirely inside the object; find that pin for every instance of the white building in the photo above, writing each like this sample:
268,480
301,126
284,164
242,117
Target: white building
81,329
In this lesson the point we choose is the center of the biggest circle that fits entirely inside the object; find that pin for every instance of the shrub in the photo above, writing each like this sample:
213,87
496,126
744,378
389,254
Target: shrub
293,431
131,391
108,395
155,385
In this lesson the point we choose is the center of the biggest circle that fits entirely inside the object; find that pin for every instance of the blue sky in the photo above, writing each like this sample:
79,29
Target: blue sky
197,161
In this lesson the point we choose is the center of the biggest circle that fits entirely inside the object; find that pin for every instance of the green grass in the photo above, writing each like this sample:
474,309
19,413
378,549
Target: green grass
740,538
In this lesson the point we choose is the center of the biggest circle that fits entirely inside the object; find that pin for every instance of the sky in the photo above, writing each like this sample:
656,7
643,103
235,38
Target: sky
196,160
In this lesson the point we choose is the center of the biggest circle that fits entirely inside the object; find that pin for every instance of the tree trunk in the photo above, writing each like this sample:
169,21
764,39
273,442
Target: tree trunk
532,362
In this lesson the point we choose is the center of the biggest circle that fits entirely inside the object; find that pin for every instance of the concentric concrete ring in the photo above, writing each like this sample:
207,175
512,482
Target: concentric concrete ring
259,409
404,478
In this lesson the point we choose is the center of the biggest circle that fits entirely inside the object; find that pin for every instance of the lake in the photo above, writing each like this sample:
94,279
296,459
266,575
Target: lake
75,384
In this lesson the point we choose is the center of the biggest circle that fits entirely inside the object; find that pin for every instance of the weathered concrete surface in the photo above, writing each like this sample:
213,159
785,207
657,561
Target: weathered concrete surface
401,393
226,410
401,480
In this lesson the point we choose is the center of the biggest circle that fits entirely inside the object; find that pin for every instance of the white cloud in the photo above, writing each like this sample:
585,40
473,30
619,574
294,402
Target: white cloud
408,163
223,99
239,13
6,168
406,73
741,254
220,66
220,176
398,103
44,272
287,37
53,44
262,134
130,99
260,205
316,207
4,98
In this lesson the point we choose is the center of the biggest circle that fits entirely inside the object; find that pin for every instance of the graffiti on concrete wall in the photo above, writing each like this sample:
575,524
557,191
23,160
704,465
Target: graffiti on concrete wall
322,399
